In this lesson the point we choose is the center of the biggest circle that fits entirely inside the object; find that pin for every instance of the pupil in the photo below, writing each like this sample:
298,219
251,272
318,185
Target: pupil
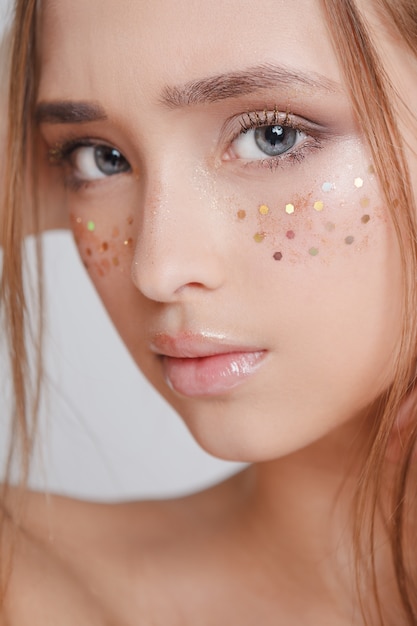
274,134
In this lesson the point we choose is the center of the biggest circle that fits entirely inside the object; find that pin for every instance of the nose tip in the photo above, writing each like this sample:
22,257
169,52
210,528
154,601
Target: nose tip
167,267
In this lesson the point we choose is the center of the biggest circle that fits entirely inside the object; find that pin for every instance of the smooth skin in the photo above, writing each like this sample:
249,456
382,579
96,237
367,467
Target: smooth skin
176,264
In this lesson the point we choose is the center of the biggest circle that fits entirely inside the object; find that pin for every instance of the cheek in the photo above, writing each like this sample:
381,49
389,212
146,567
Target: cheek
106,248
332,216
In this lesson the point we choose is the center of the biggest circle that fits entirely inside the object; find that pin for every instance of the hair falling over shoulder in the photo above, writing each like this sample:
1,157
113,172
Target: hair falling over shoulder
376,106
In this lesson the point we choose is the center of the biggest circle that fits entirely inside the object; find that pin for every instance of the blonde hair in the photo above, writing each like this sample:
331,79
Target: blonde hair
375,104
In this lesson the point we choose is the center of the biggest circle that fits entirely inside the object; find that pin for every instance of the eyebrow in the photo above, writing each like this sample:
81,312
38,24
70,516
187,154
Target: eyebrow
69,112
234,84
205,90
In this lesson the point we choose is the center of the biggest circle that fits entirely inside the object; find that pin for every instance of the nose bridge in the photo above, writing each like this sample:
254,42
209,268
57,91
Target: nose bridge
176,244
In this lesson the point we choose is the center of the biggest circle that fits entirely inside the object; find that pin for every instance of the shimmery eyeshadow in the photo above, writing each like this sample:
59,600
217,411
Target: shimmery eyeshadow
365,219
349,240
91,226
115,261
290,234
319,205
313,251
330,226
364,203
278,256
241,215
326,187
289,208
104,246
259,237
128,242
263,209
358,182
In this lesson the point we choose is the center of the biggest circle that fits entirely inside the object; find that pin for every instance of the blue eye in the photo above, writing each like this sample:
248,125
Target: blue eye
110,161
266,141
90,162
275,140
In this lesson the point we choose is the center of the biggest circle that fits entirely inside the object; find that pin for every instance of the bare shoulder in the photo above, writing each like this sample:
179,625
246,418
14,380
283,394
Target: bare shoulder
88,561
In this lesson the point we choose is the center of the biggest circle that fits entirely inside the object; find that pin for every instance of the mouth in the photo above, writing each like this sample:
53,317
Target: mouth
201,365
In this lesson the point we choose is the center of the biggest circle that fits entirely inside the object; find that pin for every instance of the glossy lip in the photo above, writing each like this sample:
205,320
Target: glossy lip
189,345
197,365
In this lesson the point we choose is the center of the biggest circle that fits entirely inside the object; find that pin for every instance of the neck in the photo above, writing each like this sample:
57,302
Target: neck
299,515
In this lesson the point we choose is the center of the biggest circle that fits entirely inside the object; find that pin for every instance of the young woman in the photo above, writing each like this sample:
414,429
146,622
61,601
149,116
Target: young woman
240,181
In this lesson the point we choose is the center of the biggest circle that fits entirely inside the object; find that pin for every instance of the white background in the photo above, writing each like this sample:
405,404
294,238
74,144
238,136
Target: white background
105,434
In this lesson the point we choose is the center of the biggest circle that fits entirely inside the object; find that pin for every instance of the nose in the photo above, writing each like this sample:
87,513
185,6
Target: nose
179,243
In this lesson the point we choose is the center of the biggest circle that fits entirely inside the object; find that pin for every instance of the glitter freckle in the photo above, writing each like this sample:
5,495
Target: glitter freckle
349,240
326,187
289,208
358,182
91,226
364,203
319,205
278,256
241,214
259,237
365,219
313,251
290,234
263,209
128,242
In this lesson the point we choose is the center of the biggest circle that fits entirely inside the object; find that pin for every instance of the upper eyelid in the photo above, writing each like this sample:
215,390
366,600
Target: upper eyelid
242,122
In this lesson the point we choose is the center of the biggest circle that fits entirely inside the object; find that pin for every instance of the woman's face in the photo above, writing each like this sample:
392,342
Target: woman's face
226,209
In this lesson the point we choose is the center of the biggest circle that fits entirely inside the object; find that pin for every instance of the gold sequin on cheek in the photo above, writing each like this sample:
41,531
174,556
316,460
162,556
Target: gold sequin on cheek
263,209
241,215
365,219
349,240
289,208
278,256
364,203
259,237
319,205
358,182
313,251
128,242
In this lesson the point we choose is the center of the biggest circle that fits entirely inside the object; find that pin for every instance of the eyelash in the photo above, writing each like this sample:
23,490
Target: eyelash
60,154
261,119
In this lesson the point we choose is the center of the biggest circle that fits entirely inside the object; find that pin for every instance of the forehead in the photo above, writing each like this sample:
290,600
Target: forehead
88,48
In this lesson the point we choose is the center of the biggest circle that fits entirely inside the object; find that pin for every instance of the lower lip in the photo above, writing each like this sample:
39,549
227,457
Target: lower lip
210,375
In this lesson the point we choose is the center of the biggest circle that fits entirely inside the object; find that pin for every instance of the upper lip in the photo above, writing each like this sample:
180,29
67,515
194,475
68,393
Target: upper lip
189,345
